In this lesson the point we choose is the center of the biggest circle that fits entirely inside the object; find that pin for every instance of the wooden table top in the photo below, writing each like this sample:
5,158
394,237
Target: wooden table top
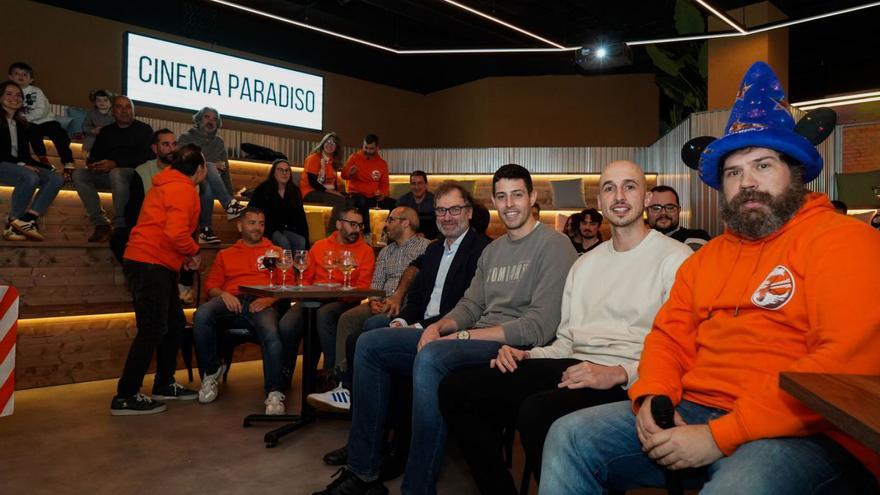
849,402
308,292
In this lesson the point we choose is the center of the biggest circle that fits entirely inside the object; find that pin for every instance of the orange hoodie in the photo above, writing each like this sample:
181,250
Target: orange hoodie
240,264
168,218
361,278
740,312
371,175
312,165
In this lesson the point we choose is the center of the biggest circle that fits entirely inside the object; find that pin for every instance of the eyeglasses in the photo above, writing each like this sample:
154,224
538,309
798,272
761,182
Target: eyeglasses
393,219
283,170
670,208
453,210
353,224
330,141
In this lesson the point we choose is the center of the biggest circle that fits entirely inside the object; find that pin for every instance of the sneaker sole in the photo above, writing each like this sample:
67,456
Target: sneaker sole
137,412
233,216
218,241
30,234
175,397
326,407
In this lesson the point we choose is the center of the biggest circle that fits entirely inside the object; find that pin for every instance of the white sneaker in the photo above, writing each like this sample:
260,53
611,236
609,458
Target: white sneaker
234,209
275,404
211,385
336,400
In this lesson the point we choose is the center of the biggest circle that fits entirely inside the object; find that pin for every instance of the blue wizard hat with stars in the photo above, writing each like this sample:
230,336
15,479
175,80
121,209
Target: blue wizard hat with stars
760,117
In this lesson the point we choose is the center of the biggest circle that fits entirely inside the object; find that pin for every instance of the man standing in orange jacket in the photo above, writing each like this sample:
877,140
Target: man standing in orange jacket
367,176
789,286
160,243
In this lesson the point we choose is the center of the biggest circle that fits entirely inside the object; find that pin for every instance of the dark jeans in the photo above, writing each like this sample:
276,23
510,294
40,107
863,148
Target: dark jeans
213,315
374,322
56,134
160,322
292,328
479,404
363,204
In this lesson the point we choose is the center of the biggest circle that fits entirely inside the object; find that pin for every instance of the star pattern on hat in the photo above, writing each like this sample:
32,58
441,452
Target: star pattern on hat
781,104
742,91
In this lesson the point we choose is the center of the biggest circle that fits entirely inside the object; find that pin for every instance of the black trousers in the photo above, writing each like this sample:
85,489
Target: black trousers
478,404
56,134
363,204
160,322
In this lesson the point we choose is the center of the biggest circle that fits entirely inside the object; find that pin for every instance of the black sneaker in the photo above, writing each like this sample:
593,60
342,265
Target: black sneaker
338,457
137,405
347,483
174,391
206,236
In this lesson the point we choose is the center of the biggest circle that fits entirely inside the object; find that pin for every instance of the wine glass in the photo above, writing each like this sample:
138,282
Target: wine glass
270,261
301,262
348,264
329,261
284,263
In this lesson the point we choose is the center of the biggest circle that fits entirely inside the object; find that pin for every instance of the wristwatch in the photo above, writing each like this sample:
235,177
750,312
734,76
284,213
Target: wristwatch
464,335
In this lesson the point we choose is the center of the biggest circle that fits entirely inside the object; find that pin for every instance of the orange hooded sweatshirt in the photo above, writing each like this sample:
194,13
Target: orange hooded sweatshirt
740,312
360,278
170,214
240,264
371,175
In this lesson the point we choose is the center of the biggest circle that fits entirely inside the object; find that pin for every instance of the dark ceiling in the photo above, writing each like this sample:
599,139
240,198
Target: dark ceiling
829,56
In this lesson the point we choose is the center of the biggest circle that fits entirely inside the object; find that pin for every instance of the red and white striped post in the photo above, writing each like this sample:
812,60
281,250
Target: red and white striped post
8,327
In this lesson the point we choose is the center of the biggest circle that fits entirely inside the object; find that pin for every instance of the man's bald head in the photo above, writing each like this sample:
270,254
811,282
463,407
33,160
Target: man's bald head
624,168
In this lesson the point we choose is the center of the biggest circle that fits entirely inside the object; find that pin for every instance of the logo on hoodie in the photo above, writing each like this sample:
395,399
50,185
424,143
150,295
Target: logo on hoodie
776,289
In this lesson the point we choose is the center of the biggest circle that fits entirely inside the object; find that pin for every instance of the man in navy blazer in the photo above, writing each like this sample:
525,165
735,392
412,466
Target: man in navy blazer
445,272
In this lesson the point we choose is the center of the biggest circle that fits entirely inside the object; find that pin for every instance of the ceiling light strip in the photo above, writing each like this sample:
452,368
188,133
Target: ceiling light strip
836,98
840,103
722,16
814,18
505,24
489,50
304,25
684,38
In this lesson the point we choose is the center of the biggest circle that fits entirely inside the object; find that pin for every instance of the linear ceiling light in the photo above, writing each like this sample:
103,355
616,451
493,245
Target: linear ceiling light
838,102
836,98
505,24
755,30
722,16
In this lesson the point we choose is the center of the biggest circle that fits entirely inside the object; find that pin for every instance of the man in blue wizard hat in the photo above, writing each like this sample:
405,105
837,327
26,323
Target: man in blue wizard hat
790,286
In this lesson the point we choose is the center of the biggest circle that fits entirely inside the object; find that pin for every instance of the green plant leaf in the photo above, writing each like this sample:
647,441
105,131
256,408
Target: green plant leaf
663,61
688,19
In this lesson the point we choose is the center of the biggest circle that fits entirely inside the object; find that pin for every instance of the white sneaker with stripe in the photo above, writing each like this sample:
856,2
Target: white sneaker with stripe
336,400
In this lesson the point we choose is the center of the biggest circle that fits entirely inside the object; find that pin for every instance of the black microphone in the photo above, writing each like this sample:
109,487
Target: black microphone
664,415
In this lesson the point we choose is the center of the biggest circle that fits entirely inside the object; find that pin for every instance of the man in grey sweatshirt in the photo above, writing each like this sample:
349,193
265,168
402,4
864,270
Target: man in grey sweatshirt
217,184
514,298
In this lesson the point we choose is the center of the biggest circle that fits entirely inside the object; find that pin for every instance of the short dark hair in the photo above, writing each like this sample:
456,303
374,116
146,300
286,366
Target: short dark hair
99,92
161,131
349,209
593,214
667,189
22,66
792,162
187,159
371,139
250,209
513,171
448,186
419,173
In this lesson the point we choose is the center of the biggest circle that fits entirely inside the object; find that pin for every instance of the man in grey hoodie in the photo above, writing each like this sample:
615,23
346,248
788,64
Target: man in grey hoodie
217,185
514,298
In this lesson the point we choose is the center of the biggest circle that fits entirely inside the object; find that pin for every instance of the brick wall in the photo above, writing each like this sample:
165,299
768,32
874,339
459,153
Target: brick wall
861,147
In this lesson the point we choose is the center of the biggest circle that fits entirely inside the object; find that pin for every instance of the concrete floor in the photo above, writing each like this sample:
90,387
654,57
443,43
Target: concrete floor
62,440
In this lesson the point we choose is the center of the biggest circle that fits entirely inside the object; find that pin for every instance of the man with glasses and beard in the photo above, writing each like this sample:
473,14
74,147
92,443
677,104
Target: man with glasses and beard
789,286
663,213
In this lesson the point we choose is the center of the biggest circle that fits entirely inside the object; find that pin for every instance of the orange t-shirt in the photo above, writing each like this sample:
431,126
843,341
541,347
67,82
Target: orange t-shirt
313,165
371,175
361,278
170,214
741,312
240,264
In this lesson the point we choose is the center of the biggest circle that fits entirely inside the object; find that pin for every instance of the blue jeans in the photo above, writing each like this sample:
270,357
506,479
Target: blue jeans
596,449
264,324
386,351
287,239
24,182
117,180
210,189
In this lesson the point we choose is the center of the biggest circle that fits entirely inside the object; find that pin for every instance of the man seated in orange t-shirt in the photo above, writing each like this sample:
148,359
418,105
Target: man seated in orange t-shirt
241,264
367,176
346,238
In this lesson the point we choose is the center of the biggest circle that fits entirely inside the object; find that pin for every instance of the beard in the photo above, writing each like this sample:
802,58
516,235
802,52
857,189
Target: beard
755,223
665,230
